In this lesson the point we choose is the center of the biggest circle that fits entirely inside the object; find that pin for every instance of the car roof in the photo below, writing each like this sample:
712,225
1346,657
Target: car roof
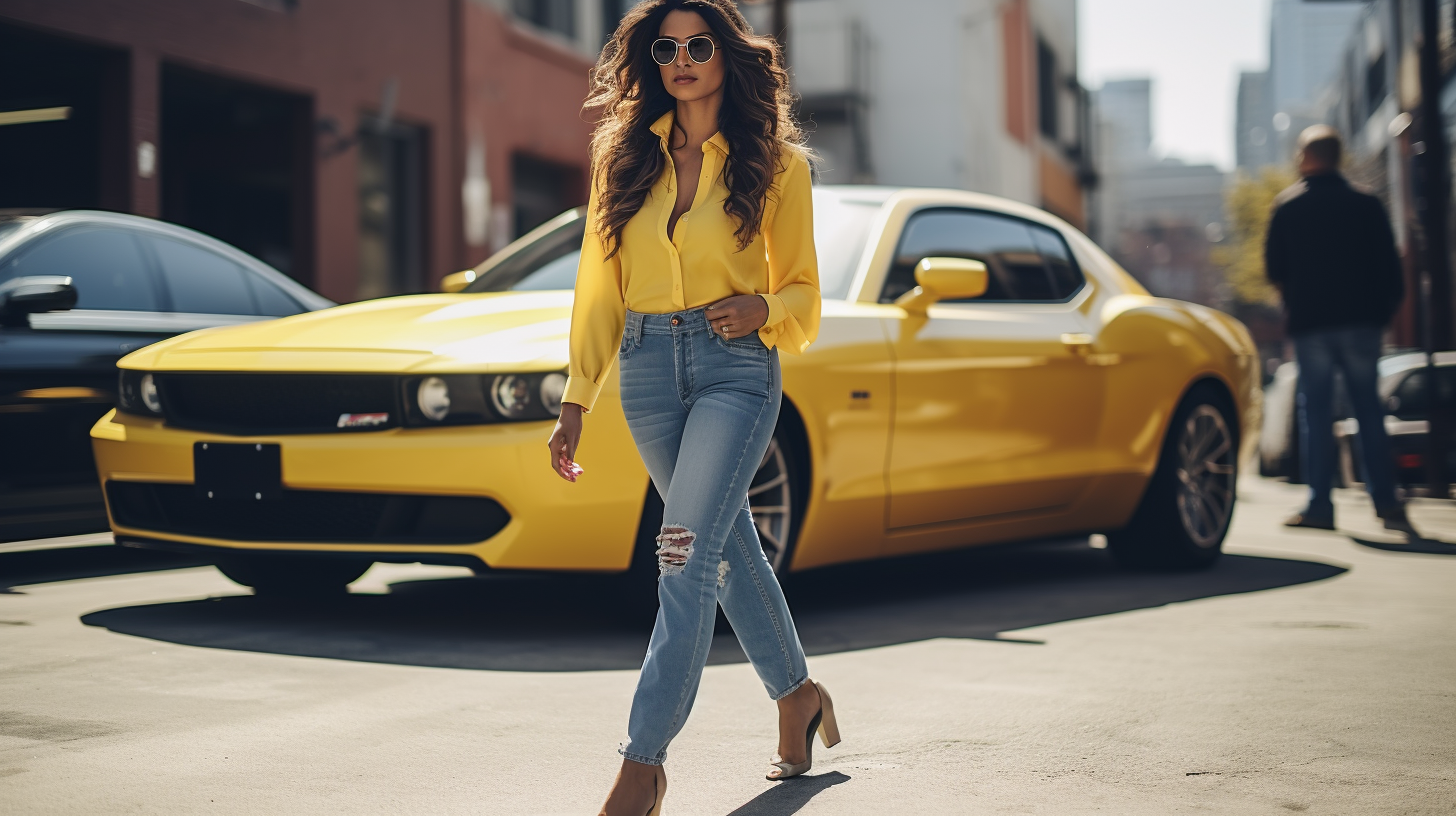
941,197
37,224
1405,361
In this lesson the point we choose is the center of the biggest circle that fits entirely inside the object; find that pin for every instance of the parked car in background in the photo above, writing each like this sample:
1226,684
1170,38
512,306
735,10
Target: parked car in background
983,373
78,291
1402,389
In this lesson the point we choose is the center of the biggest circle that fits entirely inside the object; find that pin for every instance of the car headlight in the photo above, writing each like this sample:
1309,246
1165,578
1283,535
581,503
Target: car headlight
138,393
433,397
528,396
511,395
553,388
472,399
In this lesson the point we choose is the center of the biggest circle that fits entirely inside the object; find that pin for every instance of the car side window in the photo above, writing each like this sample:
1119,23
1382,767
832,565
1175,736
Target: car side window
105,264
201,281
1024,261
1409,400
271,300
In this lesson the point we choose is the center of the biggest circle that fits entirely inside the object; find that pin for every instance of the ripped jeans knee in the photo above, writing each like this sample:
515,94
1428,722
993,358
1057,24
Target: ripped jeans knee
674,547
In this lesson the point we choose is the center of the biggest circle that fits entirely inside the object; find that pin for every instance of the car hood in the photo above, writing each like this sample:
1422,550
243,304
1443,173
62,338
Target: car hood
493,331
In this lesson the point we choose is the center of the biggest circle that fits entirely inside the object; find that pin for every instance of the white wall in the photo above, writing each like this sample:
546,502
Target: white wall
936,87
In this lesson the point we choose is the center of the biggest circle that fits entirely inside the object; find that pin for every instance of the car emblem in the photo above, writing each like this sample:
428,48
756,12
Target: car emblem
362,420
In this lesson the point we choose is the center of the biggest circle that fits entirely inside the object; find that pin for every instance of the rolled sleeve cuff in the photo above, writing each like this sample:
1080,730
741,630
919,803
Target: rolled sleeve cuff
777,311
581,391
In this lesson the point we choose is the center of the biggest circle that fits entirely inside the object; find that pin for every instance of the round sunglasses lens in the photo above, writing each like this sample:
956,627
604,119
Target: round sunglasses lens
665,51
700,49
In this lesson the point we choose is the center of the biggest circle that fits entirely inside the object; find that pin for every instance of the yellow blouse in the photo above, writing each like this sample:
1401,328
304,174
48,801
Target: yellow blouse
700,265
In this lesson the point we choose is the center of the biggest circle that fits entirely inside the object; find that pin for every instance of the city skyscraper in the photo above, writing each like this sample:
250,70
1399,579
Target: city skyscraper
1306,38
1255,144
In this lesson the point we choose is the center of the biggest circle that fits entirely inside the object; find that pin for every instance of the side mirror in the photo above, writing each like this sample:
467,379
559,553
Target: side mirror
943,279
457,281
22,297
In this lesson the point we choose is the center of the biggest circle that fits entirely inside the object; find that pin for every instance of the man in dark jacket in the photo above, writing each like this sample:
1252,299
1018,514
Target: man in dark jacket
1331,252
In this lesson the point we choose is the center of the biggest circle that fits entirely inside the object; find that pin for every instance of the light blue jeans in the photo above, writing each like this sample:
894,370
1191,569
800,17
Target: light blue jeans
702,411
1353,351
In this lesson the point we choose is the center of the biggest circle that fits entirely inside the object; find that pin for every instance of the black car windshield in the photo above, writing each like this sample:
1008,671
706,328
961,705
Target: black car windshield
11,225
841,228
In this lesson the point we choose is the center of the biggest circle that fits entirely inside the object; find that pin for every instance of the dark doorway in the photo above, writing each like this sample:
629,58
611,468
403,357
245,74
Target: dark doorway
392,164
235,163
65,144
542,190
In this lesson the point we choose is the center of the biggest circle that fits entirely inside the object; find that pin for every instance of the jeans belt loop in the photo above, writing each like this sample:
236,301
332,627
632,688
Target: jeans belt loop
634,326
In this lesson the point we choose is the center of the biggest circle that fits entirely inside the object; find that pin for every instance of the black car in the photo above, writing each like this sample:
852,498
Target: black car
79,290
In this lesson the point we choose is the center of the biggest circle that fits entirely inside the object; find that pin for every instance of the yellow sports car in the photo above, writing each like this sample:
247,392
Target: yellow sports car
984,373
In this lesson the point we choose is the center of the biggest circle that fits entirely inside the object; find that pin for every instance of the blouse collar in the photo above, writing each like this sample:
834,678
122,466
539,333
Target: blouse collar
663,128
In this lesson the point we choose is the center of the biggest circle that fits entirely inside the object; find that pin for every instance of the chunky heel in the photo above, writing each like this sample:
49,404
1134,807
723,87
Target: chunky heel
828,728
828,725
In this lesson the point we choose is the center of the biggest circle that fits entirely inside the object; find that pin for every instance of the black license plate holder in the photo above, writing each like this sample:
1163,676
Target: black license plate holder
237,471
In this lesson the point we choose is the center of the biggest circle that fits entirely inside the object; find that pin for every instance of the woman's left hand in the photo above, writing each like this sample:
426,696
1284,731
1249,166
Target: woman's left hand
737,316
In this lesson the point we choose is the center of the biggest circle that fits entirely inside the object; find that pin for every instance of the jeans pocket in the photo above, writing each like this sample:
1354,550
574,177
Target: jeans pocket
627,346
750,345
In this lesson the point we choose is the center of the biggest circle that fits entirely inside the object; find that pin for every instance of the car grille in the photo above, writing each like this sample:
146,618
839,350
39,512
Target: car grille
307,516
251,404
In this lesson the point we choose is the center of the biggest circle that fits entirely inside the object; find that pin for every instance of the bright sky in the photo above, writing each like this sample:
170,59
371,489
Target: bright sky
1193,51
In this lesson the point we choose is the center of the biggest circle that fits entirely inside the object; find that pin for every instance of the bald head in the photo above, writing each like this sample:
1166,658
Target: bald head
1318,150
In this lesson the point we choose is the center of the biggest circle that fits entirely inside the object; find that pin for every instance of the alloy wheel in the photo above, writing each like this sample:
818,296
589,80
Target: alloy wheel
1206,473
772,501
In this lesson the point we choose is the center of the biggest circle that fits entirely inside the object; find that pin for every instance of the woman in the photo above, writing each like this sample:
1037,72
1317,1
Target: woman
698,264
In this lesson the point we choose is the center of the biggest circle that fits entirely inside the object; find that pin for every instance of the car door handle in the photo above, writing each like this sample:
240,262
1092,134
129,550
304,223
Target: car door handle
1079,343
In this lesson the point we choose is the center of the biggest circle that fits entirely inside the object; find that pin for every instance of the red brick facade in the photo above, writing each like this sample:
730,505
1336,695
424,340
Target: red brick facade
458,69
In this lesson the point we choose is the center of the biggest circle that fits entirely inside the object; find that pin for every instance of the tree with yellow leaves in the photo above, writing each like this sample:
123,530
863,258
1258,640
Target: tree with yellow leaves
1250,202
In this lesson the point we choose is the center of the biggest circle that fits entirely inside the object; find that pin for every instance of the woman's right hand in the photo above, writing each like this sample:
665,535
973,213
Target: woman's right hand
564,440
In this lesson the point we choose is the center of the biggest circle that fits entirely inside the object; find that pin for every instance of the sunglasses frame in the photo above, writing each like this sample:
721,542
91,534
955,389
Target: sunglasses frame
678,45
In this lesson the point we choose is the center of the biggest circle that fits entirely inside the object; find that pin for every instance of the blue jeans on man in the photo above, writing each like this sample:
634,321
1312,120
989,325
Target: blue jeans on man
1353,351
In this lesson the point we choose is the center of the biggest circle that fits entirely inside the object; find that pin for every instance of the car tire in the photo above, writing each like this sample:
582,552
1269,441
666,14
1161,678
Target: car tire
1184,515
778,496
293,576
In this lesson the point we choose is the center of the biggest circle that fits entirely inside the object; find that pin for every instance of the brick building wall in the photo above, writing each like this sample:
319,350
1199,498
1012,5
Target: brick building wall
310,78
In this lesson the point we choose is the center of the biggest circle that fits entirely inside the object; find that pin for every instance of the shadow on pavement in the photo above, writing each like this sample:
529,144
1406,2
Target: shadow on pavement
70,563
1424,546
790,795
583,623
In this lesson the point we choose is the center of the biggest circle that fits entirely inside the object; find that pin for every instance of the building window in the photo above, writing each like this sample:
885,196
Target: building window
1375,83
237,164
1046,89
541,190
612,13
391,208
553,15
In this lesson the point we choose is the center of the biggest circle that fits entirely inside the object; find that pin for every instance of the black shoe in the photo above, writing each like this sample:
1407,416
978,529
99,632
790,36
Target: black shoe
1396,519
1310,522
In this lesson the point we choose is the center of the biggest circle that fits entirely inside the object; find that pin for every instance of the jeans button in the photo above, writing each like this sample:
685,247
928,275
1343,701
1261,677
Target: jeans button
676,320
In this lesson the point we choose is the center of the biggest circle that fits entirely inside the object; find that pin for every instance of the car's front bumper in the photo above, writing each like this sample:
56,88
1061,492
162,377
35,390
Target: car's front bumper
379,487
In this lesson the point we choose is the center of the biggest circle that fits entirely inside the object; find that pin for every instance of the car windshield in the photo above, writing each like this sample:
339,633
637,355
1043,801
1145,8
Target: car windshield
841,228
11,225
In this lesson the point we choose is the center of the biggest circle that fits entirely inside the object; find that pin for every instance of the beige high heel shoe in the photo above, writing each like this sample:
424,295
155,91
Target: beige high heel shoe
828,727
661,785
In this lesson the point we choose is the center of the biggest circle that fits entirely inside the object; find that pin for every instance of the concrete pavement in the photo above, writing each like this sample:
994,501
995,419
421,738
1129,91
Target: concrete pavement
1308,672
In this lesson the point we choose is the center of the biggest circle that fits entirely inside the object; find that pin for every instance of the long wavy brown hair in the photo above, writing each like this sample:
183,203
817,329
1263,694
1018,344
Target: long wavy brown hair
628,94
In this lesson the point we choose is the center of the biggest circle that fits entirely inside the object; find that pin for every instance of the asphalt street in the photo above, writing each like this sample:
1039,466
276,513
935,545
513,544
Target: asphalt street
1307,672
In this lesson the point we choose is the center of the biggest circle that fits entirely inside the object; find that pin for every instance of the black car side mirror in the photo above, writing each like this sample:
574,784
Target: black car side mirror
22,297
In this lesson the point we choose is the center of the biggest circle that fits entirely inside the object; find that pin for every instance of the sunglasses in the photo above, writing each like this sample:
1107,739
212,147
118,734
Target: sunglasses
700,50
